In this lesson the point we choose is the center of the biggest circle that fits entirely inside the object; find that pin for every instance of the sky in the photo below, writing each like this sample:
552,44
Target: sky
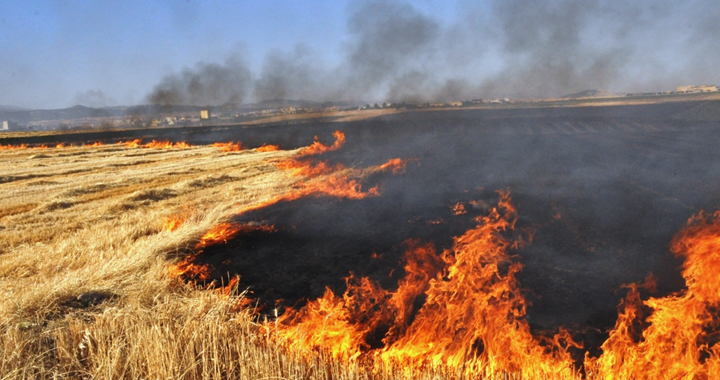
56,53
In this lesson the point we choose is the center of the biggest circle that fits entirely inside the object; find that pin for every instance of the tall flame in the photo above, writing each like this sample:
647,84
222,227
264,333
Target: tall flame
472,317
680,342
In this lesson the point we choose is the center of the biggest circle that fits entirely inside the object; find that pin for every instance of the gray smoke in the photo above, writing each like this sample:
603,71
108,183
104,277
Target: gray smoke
205,84
511,48
295,75
388,38
93,98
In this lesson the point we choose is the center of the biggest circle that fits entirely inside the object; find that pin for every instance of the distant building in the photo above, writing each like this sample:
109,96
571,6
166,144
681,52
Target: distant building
700,88
8,126
205,114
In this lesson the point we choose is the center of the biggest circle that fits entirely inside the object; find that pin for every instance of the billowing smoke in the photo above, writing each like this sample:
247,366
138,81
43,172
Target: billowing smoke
296,75
205,84
395,51
388,38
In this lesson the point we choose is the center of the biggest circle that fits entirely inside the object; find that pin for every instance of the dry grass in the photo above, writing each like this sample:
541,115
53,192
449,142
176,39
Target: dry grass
75,221
83,269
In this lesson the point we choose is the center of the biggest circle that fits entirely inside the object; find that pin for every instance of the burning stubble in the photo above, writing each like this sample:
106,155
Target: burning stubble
368,258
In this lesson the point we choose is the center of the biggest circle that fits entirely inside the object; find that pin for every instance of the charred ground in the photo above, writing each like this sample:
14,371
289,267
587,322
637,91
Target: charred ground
602,190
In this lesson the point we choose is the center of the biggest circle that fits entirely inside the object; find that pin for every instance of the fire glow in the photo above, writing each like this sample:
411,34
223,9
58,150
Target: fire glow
462,309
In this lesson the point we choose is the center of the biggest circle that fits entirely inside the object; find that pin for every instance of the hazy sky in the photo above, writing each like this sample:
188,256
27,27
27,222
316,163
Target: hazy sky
101,53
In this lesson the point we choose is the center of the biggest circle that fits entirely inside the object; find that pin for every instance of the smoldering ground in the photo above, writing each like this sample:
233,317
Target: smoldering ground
394,51
602,191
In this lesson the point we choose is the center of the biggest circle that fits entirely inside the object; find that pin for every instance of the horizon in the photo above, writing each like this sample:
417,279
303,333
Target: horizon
102,55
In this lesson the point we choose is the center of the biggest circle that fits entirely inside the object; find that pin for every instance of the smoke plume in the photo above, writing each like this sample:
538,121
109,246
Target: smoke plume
395,51
205,84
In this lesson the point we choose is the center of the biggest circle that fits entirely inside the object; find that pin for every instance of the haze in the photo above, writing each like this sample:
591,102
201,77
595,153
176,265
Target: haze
61,53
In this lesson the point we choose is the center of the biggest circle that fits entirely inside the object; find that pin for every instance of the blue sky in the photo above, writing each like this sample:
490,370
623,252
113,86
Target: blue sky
59,53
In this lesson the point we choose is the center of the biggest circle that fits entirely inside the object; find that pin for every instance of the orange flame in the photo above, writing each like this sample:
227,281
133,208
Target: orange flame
680,342
295,168
172,223
342,324
459,209
267,148
228,146
166,144
319,148
472,318
12,147
189,269
131,143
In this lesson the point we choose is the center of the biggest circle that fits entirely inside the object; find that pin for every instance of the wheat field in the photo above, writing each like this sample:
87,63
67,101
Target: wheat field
84,258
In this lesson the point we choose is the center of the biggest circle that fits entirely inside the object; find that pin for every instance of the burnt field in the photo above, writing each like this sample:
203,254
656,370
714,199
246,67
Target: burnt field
600,192
603,188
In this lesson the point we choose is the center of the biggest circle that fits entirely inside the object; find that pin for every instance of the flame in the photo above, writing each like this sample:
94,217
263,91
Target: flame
267,148
174,222
459,209
166,144
319,148
228,146
131,143
680,341
472,318
93,145
12,147
220,233
295,168
342,325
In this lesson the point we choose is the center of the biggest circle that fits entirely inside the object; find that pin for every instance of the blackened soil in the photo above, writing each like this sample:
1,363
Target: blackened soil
603,188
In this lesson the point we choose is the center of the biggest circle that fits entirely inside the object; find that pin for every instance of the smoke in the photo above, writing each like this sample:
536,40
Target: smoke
205,84
295,75
396,51
388,37
93,98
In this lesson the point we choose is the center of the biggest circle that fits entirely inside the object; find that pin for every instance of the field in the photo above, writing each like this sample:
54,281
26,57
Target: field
89,222
100,280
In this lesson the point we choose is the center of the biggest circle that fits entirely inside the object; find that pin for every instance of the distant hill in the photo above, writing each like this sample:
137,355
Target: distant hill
590,94
12,108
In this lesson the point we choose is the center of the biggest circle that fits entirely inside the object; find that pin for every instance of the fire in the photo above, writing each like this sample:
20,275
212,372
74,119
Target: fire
397,165
472,318
11,147
172,223
680,342
459,209
131,143
228,146
319,148
267,148
166,144
295,168
342,325
94,145
220,233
